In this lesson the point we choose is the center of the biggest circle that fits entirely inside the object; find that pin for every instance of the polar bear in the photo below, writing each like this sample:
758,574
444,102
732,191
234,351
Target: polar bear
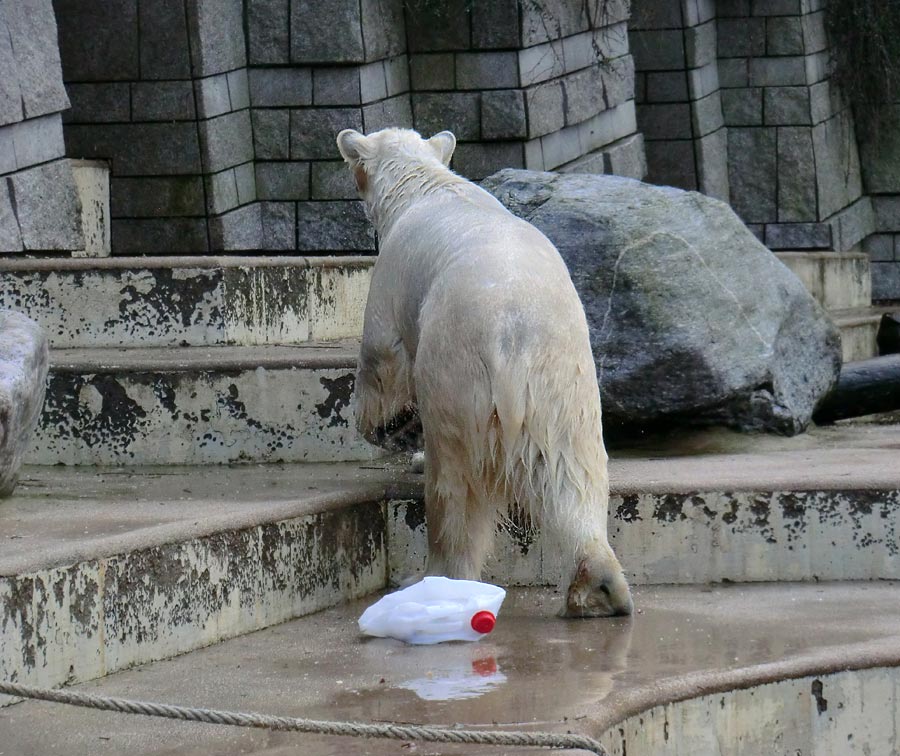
473,320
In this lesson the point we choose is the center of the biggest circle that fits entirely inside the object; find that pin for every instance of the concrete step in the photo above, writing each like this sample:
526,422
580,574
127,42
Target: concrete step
198,405
837,280
859,332
786,668
104,569
192,301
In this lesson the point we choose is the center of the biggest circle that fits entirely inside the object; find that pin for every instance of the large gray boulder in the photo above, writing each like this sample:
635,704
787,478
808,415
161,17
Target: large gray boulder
693,321
24,361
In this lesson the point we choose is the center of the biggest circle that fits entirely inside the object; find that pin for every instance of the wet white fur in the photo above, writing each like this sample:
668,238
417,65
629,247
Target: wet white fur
472,316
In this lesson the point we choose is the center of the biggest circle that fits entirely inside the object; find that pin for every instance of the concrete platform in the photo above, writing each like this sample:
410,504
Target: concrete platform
103,569
200,405
613,679
192,301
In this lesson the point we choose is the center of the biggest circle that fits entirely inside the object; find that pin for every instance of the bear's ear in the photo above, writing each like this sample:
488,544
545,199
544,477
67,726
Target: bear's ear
353,146
443,144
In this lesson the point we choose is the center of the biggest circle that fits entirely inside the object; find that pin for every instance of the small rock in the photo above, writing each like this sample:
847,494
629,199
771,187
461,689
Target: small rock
24,362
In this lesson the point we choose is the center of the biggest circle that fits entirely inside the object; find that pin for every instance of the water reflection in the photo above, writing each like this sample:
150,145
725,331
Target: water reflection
463,672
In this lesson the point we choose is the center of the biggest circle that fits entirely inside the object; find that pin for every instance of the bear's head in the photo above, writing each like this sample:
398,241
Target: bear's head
381,160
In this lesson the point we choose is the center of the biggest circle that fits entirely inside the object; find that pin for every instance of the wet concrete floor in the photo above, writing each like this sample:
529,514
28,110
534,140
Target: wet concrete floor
534,672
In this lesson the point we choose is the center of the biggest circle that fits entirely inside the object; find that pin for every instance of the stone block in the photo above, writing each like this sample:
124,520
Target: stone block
815,38
561,147
837,164
212,96
279,226
787,106
798,236
245,178
880,247
796,176
434,71
658,50
138,149
24,364
10,92
110,52
534,155
777,72
733,8
495,24
164,49
741,37
31,27
226,141
606,43
700,44
665,121
887,214
852,224
92,184
47,207
10,236
886,281
702,82
625,157
282,181
752,173
607,127
475,161
601,87
824,101
336,86
159,236
326,32
280,87
666,86
271,134
239,89
818,67
99,103
880,154
433,27
395,111
487,70
331,180
396,74
671,163
383,28
734,72
706,115
784,35
665,15
503,115
742,107
551,19
239,229
221,192
37,140
640,87
151,197
457,111
537,64
339,226
268,24
698,12
546,112
7,149
776,7
712,165
216,29
372,82
313,131
162,101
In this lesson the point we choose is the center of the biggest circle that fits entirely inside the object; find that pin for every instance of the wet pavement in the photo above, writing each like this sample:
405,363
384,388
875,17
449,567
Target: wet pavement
534,672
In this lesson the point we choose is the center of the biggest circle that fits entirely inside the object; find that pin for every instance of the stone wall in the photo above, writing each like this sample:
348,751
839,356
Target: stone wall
39,206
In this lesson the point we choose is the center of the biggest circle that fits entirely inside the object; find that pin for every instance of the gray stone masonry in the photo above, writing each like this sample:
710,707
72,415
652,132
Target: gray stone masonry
752,165
282,181
280,87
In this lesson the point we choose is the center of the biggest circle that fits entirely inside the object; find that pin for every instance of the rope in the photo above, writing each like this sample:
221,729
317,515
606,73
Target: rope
431,734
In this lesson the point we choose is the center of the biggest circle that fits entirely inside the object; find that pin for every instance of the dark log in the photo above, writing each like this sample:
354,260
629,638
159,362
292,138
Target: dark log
889,334
866,387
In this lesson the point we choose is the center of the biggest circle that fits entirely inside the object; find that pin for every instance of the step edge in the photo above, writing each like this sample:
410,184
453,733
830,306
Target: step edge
200,262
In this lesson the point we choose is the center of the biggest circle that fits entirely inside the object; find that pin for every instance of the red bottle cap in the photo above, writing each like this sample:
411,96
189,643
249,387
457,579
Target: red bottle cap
483,622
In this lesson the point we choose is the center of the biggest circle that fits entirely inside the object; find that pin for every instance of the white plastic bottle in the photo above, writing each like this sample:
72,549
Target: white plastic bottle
434,610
